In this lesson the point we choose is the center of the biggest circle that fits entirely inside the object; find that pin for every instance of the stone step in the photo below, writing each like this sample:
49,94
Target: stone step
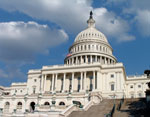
96,110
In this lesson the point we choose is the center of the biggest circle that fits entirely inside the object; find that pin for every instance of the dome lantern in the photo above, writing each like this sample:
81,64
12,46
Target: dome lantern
91,21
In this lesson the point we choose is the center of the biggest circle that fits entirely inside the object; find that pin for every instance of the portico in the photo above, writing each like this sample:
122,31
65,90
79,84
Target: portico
80,81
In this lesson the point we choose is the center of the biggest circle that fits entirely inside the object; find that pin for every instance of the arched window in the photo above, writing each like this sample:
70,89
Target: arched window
32,106
19,105
7,105
61,103
46,103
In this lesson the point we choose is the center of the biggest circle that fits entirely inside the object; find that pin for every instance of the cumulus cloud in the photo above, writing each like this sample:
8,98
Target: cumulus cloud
112,25
20,41
139,10
71,15
143,22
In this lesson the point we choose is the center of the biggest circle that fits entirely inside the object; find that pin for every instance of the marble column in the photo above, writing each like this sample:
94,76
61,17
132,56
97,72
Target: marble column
105,60
95,58
86,59
85,80
52,83
72,60
135,90
45,83
64,82
42,83
90,58
101,59
72,82
93,80
56,82
76,60
81,82
81,60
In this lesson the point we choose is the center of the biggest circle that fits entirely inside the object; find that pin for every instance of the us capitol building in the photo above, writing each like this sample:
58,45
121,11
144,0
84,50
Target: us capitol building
90,74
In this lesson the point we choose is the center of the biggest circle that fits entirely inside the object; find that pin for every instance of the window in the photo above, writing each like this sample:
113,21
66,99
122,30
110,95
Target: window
139,86
84,47
62,104
96,47
34,80
112,87
112,75
7,105
21,91
131,86
46,103
89,47
132,95
34,90
140,95
19,105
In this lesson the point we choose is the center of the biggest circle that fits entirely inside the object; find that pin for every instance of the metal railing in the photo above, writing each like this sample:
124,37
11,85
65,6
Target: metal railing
120,104
110,114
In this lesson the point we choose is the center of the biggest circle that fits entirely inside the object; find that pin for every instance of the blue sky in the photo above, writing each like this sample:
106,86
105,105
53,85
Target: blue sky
34,33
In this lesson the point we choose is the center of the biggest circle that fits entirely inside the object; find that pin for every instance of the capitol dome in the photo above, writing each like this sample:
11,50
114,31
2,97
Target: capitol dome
90,46
91,33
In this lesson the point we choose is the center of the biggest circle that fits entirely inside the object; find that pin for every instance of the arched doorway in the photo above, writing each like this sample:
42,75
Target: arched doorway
46,104
32,106
19,106
6,107
62,104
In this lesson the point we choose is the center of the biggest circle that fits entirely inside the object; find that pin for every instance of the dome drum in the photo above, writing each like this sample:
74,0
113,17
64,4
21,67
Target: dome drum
89,58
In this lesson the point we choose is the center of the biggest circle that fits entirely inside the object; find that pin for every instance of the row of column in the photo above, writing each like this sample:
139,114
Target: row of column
89,59
83,82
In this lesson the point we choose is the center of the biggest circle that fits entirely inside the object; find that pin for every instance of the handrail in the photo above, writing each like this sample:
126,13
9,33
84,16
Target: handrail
68,110
88,105
120,104
110,114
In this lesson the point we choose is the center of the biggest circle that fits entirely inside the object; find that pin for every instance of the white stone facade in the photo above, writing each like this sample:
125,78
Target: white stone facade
90,72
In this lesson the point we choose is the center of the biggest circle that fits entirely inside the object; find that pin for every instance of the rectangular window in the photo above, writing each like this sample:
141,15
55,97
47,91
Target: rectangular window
112,75
131,86
112,87
34,90
139,86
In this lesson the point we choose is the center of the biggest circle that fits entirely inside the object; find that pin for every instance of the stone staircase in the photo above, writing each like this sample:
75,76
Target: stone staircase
98,110
131,108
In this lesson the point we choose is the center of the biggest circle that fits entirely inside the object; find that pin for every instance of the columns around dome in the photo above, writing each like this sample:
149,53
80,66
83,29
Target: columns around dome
89,59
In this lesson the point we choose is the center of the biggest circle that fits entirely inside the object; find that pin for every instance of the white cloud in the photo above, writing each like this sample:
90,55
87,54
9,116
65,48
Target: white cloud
139,10
112,25
20,41
143,22
71,15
